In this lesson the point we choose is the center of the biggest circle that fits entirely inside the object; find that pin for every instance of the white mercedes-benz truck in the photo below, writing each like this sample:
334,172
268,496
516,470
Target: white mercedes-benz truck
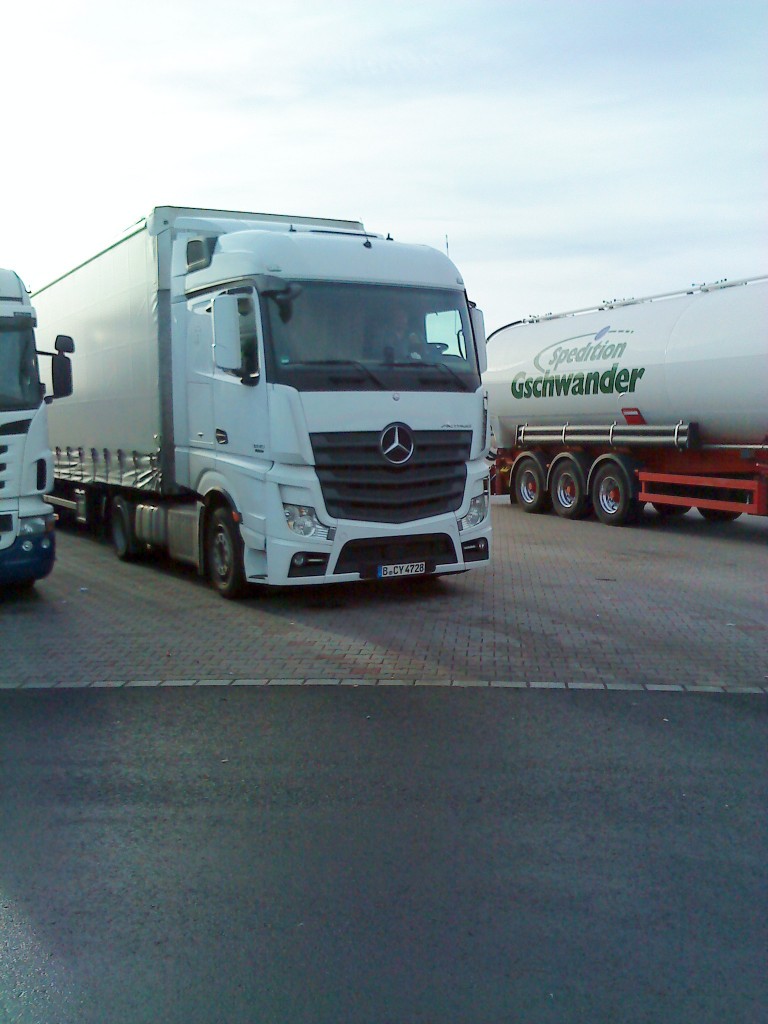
27,540
276,400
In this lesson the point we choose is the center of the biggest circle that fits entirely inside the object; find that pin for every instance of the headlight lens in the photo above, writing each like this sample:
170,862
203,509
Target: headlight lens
32,526
478,511
302,520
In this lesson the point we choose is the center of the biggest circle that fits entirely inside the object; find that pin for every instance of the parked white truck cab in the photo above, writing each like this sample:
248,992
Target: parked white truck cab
27,541
276,400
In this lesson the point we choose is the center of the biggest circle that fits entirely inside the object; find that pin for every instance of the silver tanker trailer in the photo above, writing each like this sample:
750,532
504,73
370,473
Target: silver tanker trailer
662,400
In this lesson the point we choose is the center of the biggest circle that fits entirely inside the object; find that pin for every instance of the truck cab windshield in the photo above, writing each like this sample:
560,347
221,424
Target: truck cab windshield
19,375
342,337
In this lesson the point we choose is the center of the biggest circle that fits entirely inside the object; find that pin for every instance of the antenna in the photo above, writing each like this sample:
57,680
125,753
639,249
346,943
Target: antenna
446,246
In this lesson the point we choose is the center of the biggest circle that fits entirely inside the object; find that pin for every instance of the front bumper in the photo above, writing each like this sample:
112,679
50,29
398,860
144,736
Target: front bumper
356,554
28,558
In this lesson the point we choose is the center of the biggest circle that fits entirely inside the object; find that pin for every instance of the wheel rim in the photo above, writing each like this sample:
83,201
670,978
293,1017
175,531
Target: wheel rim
222,554
609,495
529,487
566,490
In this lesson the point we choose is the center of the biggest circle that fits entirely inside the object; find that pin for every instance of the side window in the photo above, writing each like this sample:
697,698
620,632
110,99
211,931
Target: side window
200,336
444,330
249,350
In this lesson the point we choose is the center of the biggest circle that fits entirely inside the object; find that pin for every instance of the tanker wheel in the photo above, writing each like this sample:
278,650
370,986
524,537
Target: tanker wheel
568,488
531,487
670,511
225,555
613,495
718,515
122,530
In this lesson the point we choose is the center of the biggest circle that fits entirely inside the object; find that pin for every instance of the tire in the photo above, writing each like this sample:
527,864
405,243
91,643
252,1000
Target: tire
23,586
669,511
530,489
225,555
718,515
568,490
613,495
122,530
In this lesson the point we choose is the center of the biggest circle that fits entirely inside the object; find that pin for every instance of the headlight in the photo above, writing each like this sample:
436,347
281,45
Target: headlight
302,520
478,511
34,525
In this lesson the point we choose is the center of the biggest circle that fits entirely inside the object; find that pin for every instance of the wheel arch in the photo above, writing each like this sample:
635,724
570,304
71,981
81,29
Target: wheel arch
215,497
579,459
627,463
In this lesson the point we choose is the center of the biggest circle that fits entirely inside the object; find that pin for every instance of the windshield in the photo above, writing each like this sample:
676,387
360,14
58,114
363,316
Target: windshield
332,337
19,376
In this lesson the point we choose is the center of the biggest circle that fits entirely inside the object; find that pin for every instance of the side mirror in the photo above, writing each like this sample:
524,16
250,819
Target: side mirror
226,333
61,373
478,329
64,344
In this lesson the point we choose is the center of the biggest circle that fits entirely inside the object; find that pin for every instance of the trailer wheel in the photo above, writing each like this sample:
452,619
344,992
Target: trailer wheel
568,488
718,515
613,495
531,487
669,511
225,555
122,531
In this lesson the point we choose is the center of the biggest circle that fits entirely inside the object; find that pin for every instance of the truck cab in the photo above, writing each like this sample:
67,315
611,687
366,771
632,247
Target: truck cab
333,381
27,542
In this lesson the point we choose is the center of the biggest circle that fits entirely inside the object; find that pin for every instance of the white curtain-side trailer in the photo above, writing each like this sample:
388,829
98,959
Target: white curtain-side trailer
275,400
660,400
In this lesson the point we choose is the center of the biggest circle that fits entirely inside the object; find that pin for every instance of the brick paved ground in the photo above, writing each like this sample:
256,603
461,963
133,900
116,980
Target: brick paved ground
680,603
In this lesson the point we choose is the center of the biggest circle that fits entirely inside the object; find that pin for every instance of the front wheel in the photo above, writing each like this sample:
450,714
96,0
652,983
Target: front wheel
530,488
613,495
225,555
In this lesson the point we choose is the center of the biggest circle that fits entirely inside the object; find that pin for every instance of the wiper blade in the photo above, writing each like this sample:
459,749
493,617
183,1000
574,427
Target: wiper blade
353,363
420,364
456,377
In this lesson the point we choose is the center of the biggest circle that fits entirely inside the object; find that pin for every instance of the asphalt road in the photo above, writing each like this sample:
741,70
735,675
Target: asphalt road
531,794
382,855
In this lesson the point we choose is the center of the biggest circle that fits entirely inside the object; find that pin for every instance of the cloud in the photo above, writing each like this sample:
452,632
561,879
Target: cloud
561,146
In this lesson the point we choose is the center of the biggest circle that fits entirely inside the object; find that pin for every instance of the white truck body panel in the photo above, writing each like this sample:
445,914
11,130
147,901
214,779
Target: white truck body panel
697,357
154,414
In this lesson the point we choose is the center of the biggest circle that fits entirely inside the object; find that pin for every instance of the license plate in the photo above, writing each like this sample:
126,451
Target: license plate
404,569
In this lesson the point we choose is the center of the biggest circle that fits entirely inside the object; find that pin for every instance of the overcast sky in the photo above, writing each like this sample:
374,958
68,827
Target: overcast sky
569,150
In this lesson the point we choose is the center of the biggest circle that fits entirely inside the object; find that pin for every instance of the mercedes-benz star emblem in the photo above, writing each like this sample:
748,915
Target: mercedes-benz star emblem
396,444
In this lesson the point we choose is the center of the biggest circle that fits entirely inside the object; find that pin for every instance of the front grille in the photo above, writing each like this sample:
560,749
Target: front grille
365,555
358,483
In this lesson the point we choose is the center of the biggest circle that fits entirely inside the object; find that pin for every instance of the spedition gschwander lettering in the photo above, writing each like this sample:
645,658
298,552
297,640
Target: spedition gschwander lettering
610,382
